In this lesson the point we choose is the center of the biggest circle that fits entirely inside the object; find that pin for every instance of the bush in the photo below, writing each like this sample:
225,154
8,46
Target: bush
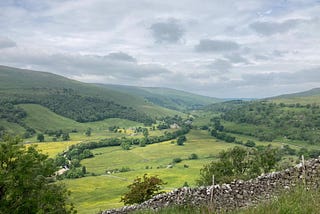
193,156
176,160
142,189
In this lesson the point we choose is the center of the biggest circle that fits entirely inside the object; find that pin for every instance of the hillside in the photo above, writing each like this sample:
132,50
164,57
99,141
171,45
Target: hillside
165,97
306,97
70,99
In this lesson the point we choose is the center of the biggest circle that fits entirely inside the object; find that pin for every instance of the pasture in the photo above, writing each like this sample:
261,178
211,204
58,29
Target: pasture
104,190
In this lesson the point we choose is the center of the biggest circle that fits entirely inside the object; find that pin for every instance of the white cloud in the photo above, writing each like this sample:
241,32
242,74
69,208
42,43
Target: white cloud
253,48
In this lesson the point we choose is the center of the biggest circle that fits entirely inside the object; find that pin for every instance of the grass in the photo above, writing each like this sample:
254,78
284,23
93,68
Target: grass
53,148
155,157
41,118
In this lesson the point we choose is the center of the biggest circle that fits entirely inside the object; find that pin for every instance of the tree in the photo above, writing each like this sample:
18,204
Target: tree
181,140
40,137
88,132
65,136
142,189
145,132
26,181
238,163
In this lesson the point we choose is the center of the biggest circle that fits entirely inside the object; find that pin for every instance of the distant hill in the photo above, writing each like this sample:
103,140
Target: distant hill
306,97
165,97
81,102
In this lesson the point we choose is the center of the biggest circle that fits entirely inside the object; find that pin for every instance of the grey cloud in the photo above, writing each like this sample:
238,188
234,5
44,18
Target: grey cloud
121,56
77,65
6,43
220,65
236,58
208,45
270,28
169,31
288,78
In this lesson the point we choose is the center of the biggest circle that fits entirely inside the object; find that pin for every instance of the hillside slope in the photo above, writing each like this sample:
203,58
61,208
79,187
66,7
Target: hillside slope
306,97
165,97
72,99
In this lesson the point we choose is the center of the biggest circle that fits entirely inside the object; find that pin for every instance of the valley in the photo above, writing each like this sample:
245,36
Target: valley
141,135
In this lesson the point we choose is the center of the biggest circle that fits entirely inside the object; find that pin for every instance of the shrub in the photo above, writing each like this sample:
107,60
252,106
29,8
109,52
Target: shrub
176,160
193,156
142,189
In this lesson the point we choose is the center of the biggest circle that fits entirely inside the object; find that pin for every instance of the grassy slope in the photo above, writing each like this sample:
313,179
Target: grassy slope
103,192
15,80
305,97
169,98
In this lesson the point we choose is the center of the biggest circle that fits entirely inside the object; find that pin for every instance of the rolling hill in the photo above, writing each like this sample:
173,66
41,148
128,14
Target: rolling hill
306,97
80,102
165,97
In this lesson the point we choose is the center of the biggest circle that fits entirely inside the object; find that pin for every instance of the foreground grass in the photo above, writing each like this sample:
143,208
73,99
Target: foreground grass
296,201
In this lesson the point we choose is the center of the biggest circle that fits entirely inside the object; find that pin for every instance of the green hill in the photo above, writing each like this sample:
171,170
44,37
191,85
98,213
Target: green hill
80,102
306,97
165,97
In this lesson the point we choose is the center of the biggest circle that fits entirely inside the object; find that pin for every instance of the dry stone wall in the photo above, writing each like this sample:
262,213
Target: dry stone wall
237,194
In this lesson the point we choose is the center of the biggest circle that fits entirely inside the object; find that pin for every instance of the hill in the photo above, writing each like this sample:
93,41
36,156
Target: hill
81,102
306,97
165,97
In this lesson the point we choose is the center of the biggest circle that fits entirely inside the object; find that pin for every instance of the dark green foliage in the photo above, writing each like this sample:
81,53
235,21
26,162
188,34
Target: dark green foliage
26,181
74,173
222,136
40,137
142,189
14,114
65,136
193,156
294,122
88,132
238,163
125,145
176,160
71,104
181,140
250,143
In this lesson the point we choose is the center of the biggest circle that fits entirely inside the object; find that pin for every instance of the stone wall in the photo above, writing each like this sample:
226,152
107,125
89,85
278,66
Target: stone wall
236,194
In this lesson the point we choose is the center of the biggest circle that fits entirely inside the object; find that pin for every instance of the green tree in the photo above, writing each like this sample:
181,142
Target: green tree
142,189
65,136
88,132
40,137
181,140
239,163
26,181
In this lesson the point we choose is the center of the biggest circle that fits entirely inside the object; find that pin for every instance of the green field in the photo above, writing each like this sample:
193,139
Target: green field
104,190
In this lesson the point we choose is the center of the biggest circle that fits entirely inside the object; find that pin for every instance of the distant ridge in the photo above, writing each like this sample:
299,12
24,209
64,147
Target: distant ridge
311,92
166,97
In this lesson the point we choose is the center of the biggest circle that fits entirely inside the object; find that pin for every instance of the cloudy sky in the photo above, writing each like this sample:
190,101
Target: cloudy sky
229,48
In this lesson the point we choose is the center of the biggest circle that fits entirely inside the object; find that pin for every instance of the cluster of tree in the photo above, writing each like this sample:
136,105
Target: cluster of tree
26,181
295,122
14,114
113,128
72,157
82,108
165,122
56,134
239,163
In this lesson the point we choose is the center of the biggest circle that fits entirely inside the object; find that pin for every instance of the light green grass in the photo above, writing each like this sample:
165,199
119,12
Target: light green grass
53,148
42,118
302,100
12,127
158,156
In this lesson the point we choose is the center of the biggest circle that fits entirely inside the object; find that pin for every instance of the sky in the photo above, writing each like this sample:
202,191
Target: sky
226,49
